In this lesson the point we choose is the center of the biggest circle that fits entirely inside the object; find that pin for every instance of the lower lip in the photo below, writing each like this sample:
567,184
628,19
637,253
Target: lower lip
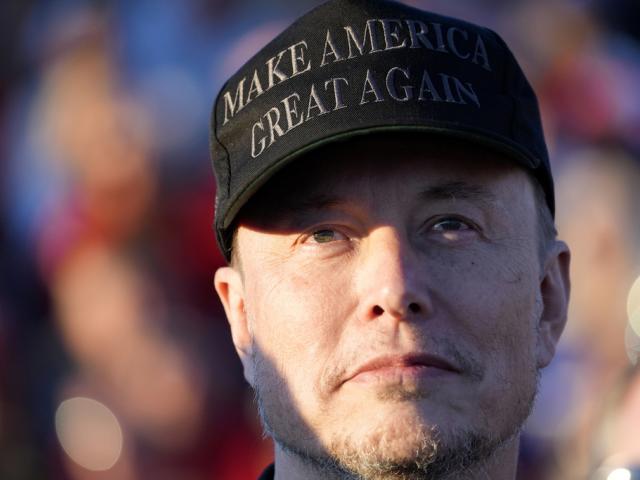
401,374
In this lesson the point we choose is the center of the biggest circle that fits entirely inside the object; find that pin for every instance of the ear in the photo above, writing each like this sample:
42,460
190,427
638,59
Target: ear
554,287
230,288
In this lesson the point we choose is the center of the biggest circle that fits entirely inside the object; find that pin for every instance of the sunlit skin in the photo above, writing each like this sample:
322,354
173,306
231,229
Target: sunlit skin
387,290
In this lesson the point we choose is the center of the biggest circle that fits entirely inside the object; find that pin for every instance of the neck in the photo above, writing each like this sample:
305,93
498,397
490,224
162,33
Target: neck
502,465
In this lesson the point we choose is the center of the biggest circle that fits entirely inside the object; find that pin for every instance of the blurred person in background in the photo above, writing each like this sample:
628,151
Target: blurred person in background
137,377
598,201
584,69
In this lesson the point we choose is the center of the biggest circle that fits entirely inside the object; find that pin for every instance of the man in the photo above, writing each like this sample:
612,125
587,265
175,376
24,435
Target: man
385,202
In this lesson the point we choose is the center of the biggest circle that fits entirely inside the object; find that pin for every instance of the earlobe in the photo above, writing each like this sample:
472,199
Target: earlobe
555,288
230,288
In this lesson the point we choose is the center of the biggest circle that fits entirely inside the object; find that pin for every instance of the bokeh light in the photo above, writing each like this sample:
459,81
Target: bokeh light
633,305
632,333
619,474
634,322
89,433
632,345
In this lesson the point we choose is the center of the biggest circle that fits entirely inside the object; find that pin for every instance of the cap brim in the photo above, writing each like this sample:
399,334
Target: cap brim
484,138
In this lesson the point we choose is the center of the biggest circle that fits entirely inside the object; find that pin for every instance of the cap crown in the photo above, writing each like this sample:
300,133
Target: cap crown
354,67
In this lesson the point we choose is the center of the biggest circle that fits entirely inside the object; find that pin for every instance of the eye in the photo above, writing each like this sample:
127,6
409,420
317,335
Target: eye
450,225
453,229
326,235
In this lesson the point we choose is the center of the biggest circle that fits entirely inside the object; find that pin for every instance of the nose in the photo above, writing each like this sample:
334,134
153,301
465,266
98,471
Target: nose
391,279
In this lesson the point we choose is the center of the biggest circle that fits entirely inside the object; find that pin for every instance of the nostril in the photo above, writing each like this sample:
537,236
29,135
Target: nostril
414,307
378,310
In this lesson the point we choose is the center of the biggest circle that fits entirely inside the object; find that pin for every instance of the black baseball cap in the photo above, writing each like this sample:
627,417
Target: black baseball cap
362,67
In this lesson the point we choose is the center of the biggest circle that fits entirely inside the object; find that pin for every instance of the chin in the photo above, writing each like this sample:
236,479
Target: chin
393,434
398,442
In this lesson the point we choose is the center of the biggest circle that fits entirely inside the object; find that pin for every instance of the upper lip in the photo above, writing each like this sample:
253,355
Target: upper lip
405,360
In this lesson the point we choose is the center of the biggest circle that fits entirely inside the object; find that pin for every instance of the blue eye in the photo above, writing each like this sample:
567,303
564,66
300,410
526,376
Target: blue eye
450,225
453,230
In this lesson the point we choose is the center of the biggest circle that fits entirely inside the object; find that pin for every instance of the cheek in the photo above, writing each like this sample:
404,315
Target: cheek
493,301
298,317
491,311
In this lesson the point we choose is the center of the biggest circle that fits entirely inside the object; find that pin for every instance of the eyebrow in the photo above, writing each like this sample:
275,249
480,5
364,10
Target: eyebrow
304,205
454,190
457,190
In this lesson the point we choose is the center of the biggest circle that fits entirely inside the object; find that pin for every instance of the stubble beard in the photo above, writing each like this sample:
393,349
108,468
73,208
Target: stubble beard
460,454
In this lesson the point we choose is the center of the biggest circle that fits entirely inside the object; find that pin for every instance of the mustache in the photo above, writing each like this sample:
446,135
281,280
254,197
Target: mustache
464,361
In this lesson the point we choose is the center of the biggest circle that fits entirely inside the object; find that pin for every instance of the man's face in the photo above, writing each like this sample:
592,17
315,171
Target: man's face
390,304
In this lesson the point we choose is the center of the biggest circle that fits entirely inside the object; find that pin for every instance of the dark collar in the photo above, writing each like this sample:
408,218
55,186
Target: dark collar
268,473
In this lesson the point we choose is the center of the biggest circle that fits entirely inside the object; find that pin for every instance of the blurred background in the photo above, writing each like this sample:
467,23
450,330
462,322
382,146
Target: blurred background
115,359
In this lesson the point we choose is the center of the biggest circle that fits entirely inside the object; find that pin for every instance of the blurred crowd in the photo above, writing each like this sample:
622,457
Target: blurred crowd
115,359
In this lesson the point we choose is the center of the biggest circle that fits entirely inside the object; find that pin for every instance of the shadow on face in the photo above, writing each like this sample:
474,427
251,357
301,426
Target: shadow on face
363,163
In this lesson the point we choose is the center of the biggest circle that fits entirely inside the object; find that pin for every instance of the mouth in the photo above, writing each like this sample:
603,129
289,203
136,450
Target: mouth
402,368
